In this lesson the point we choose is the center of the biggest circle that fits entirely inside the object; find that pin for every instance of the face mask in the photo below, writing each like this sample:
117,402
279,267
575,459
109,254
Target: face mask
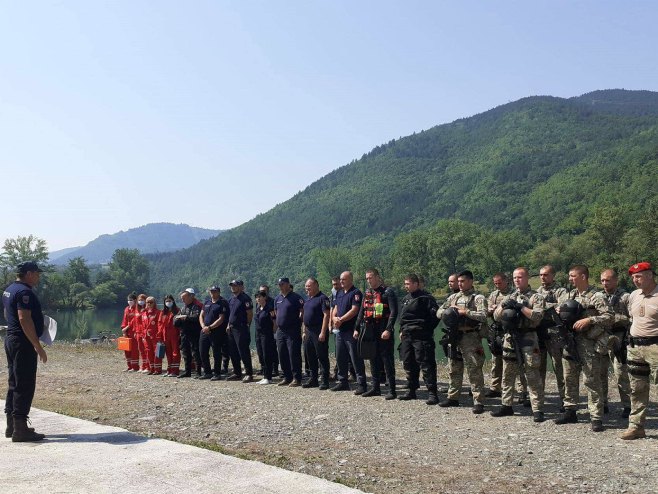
141,303
131,303
169,304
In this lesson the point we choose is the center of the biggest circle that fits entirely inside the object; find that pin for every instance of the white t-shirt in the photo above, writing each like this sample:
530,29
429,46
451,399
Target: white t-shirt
644,311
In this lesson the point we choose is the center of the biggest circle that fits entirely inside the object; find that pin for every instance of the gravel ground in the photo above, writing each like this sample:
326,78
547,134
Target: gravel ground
368,443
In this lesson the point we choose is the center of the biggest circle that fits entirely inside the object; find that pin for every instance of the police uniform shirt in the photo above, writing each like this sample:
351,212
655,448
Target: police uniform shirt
287,310
19,296
239,305
212,311
314,310
344,303
264,318
644,312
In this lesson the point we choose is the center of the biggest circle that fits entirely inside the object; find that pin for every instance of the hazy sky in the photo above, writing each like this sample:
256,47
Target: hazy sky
114,114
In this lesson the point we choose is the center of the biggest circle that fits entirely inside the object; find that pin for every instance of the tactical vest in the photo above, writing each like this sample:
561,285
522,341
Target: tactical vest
374,307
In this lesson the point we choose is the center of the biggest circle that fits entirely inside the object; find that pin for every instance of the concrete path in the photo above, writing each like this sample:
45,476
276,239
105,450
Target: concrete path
81,456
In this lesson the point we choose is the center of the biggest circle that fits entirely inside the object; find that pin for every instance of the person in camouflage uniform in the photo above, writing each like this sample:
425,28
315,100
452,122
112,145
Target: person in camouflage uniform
529,305
592,342
549,344
472,308
494,339
618,302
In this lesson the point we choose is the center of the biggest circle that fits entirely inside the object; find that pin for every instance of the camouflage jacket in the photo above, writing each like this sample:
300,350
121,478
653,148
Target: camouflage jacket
596,309
530,299
495,298
618,302
474,302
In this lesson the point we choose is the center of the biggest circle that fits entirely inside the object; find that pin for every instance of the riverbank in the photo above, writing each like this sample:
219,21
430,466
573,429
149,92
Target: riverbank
368,443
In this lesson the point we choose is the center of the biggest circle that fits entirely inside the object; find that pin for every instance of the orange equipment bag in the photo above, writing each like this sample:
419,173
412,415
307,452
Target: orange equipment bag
124,344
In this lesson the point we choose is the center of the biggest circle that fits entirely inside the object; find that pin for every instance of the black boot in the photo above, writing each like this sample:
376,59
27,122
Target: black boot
23,433
449,403
409,395
433,397
503,411
374,391
568,417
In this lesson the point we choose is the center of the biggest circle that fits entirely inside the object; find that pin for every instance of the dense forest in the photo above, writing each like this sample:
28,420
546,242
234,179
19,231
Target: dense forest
539,180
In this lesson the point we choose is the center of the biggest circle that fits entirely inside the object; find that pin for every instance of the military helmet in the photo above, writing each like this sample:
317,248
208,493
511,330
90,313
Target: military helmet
450,317
509,319
571,311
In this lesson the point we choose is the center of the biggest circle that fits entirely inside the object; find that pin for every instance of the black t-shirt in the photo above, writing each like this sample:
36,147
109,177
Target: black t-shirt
344,303
287,310
19,296
264,318
212,311
239,306
314,309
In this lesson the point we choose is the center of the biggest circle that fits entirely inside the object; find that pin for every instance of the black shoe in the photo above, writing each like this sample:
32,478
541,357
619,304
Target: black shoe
323,386
360,389
184,374
568,417
538,417
234,377
625,412
503,411
205,376
24,434
313,383
339,386
391,395
597,426
478,408
492,393
409,395
606,409
198,375
372,392
432,399
216,377
449,403
284,382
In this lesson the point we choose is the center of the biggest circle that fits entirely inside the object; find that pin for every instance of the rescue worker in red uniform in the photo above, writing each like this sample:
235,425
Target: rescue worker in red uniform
127,328
171,336
376,321
138,331
151,325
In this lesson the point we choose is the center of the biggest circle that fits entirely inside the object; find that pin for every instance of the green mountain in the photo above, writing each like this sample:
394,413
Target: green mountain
151,238
536,169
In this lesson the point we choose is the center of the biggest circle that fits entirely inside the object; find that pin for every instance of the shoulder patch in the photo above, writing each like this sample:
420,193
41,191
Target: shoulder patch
357,297
26,299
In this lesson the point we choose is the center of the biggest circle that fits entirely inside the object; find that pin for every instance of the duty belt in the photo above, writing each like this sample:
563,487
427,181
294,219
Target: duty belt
634,341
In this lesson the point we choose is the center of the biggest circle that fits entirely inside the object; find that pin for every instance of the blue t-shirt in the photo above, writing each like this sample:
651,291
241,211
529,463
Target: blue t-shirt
239,305
265,318
287,311
314,309
214,310
19,296
344,303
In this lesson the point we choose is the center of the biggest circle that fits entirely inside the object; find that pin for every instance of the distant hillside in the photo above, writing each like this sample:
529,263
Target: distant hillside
148,239
537,167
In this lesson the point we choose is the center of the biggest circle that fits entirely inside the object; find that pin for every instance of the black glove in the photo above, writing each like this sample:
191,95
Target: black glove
512,304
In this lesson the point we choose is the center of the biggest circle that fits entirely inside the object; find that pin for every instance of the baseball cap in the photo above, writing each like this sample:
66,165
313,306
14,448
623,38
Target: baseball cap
639,267
28,266
236,283
190,291
283,280
214,288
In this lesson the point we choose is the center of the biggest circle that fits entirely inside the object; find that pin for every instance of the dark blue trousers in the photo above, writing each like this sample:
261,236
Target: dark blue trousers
22,370
239,342
346,350
318,352
289,346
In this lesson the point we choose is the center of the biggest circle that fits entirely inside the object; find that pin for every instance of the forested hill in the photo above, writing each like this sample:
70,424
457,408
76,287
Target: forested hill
522,177
154,237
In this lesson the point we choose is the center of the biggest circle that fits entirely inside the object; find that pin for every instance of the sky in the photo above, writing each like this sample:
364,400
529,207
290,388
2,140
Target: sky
114,114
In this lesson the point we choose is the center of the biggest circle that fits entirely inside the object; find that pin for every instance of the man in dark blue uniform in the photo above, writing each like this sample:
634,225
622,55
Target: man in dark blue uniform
316,334
214,320
190,329
24,327
289,308
240,315
345,312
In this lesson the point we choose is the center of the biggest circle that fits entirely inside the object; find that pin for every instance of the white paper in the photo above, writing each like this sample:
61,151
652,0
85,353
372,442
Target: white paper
49,330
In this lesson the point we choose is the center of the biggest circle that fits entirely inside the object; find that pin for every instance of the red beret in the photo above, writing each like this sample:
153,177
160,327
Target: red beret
639,267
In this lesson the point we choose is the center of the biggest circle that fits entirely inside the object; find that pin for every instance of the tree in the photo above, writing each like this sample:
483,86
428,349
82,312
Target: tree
20,249
130,270
78,272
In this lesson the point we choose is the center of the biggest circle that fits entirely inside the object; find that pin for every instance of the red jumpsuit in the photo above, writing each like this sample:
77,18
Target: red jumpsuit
171,336
139,334
132,357
151,329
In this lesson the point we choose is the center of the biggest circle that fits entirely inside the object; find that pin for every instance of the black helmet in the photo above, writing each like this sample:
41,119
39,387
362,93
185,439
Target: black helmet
510,319
450,317
571,311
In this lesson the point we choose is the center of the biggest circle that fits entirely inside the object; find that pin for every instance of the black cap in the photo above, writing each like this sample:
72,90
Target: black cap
28,266
236,283
214,288
283,280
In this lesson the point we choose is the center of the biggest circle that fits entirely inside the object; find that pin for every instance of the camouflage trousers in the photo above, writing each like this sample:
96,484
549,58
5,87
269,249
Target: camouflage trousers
641,361
497,376
553,351
590,367
621,376
473,354
531,365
